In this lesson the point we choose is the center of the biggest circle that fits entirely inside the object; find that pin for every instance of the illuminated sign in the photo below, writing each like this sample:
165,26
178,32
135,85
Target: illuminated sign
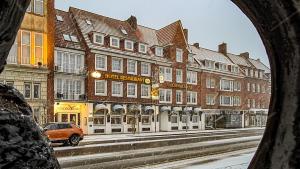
180,86
68,107
137,79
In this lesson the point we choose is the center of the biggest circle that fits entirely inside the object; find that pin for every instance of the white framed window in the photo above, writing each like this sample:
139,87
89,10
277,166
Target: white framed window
248,87
70,88
98,38
179,54
114,42
128,45
209,64
145,69
68,62
253,87
100,87
256,74
25,47
131,90
210,83
117,65
74,38
236,86
132,67
251,72
13,53
178,97
142,48
261,74
226,101
166,72
159,51
246,72
179,75
39,7
36,91
248,103
210,99
236,101
191,97
191,77
117,89
258,88
27,90
38,48
234,69
145,91
67,37
263,89
100,62
174,119
253,103
222,67
226,85
59,18
165,95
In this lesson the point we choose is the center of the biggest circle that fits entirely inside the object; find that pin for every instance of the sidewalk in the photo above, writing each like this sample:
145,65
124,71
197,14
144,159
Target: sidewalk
103,137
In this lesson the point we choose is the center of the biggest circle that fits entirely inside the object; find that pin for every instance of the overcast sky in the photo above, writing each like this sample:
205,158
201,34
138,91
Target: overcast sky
210,22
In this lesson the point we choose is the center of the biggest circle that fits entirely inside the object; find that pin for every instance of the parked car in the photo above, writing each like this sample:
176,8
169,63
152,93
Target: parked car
67,133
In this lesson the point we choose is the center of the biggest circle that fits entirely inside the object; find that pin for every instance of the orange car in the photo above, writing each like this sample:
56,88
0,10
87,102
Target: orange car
67,133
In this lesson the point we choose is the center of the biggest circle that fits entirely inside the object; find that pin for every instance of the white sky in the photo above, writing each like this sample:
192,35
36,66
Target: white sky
210,22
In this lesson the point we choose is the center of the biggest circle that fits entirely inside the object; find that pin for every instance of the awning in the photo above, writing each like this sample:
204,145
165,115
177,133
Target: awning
148,109
100,107
133,108
165,109
187,109
177,109
197,110
117,108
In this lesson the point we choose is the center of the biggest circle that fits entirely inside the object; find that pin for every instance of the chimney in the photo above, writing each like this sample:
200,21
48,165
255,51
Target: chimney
245,55
186,34
223,48
196,45
132,22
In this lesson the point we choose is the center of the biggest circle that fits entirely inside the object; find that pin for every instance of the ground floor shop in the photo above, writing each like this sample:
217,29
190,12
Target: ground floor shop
256,117
72,112
180,118
223,118
108,118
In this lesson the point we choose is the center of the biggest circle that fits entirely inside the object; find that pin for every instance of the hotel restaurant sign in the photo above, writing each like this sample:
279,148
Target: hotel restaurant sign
137,79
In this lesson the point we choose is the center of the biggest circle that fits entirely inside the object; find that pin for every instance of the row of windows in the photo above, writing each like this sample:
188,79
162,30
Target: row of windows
30,90
69,89
224,100
252,73
221,66
165,96
251,103
117,65
117,89
166,74
69,62
225,85
29,50
256,88
98,38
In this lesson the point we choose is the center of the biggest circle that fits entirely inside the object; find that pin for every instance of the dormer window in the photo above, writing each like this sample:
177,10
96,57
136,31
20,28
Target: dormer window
142,48
59,18
128,45
98,38
114,42
234,69
209,64
88,22
159,51
179,55
67,37
74,38
123,31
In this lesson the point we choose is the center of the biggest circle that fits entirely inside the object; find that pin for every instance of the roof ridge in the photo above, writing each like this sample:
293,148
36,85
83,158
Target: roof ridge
147,27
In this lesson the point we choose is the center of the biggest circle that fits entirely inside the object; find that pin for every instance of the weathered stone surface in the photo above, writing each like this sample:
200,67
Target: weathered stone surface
278,23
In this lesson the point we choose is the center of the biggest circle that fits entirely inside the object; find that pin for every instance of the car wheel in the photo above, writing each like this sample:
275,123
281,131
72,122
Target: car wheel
74,140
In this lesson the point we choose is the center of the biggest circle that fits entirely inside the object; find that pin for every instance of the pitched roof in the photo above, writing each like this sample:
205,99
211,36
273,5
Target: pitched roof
239,60
166,34
259,65
67,27
206,54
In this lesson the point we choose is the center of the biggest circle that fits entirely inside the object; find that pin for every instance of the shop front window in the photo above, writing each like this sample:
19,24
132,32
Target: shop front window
64,118
116,120
195,119
99,120
174,119
184,119
145,119
130,119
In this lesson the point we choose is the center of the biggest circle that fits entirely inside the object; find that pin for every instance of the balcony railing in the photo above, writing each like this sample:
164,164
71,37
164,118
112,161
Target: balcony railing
70,70
62,96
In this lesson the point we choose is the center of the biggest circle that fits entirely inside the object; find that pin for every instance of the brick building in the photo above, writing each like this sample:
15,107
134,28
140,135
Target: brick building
114,76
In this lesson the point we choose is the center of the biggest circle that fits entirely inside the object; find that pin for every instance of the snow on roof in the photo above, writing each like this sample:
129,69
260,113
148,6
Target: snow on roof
259,65
239,60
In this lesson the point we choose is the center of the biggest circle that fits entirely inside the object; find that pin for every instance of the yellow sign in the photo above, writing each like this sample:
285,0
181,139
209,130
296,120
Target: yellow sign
68,107
180,86
138,79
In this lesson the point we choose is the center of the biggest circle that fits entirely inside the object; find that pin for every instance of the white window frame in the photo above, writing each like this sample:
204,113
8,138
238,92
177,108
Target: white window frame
177,92
121,89
191,93
236,86
41,47
112,67
230,85
210,83
159,51
27,46
135,71
179,75
114,38
105,88
42,10
191,77
222,102
236,101
179,58
39,90
210,99
149,90
105,58
253,87
95,37
145,45
164,91
125,45
248,87
167,77
135,90
149,69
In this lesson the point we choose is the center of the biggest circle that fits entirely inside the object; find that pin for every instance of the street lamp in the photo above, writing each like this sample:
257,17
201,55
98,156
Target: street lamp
96,74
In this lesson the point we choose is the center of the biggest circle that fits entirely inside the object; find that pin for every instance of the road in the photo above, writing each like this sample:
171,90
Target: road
158,150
